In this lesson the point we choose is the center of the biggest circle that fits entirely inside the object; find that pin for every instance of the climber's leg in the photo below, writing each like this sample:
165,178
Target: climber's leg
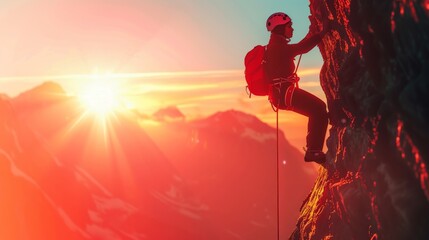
315,109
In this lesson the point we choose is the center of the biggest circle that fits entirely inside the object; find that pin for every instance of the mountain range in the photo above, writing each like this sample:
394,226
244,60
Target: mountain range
66,174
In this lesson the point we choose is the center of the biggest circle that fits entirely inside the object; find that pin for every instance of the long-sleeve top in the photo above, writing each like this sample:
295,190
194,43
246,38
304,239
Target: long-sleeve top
280,55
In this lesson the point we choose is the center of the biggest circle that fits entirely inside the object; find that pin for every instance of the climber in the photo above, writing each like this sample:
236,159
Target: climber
283,91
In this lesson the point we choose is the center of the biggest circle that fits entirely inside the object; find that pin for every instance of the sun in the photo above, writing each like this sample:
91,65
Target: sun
101,103
100,97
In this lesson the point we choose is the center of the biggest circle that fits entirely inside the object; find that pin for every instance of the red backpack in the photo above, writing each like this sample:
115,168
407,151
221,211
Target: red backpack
254,72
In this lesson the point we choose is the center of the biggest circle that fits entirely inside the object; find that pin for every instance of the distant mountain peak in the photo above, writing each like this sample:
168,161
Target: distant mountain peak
48,87
239,122
236,117
169,114
45,93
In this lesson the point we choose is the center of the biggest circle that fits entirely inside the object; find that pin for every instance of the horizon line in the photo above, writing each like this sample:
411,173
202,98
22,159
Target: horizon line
159,74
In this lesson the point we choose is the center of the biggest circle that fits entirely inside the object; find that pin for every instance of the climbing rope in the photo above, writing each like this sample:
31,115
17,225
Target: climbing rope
276,109
277,177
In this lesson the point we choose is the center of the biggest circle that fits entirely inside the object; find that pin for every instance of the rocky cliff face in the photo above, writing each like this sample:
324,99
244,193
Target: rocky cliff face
376,77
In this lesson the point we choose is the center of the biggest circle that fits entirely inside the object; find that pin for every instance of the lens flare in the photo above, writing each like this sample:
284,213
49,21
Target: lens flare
100,96
100,99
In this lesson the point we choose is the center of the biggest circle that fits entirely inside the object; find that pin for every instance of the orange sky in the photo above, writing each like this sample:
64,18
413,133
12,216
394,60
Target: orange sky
197,94
167,52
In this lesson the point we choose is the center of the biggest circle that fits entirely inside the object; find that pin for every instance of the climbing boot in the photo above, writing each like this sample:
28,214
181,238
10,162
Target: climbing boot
315,156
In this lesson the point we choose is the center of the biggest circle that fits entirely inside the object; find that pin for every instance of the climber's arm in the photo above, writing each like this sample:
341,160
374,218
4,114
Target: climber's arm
306,44
313,37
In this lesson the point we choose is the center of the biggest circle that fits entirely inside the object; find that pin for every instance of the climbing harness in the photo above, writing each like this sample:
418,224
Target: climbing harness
275,90
277,176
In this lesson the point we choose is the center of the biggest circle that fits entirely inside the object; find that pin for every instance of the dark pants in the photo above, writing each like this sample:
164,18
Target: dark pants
308,105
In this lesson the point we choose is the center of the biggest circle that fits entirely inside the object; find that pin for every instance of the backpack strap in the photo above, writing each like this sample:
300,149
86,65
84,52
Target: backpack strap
297,65
248,91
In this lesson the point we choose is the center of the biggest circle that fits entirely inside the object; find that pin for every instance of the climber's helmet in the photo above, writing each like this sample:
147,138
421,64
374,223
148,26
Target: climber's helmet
277,19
